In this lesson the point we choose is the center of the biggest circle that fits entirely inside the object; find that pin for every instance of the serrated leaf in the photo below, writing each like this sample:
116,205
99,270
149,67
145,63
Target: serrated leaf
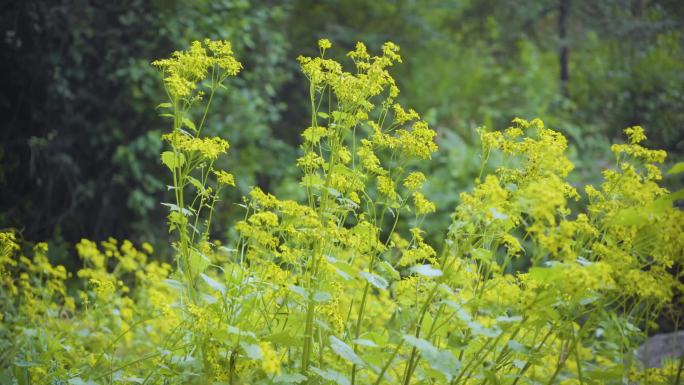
426,270
345,351
174,284
198,262
172,160
478,328
209,299
507,319
375,280
491,377
331,375
418,343
322,296
294,378
197,184
218,286
461,312
298,290
189,123
363,342
344,269
481,254
441,360
173,207
312,181
497,215
389,269
676,169
517,346
252,351
80,381
519,363
284,339
241,333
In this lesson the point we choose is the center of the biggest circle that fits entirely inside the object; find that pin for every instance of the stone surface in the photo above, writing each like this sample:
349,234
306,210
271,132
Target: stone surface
661,346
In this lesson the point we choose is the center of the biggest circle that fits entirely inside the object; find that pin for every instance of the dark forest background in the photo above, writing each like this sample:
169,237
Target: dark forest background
79,138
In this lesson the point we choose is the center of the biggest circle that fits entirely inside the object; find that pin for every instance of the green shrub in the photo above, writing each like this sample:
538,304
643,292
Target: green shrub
535,281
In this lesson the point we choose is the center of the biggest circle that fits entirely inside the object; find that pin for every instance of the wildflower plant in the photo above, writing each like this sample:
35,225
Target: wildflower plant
536,282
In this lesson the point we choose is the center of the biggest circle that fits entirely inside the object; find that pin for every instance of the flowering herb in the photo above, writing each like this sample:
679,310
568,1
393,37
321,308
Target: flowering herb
536,281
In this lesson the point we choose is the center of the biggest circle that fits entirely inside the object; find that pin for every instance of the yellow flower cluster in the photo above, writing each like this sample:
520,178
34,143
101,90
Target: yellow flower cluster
338,288
209,148
225,178
185,69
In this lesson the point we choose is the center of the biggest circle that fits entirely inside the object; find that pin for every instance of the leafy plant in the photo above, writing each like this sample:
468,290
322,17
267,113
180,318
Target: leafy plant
534,282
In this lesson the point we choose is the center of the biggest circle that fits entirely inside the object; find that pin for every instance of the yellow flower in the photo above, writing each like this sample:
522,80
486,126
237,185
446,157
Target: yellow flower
414,180
386,187
423,206
635,134
270,362
324,44
225,178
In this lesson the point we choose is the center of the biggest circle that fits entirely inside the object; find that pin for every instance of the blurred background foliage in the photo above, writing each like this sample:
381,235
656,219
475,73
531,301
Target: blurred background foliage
79,146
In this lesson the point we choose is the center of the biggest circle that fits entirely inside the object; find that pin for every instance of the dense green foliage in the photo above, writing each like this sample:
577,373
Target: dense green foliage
525,287
78,154
362,235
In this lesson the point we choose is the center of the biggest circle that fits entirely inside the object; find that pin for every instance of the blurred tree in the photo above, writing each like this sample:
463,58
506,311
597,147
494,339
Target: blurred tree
80,140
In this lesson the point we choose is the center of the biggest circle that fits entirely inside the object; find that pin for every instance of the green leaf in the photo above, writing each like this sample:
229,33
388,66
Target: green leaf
507,319
676,169
322,296
426,270
176,285
418,343
197,184
491,377
517,346
294,378
79,381
345,351
188,123
198,262
172,160
441,360
312,181
547,274
389,269
241,333
218,286
284,339
163,105
483,255
375,280
299,290
477,328
174,208
363,342
331,375
342,268
462,313
252,351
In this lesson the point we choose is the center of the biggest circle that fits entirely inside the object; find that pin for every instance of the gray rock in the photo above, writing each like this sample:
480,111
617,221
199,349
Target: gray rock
661,346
